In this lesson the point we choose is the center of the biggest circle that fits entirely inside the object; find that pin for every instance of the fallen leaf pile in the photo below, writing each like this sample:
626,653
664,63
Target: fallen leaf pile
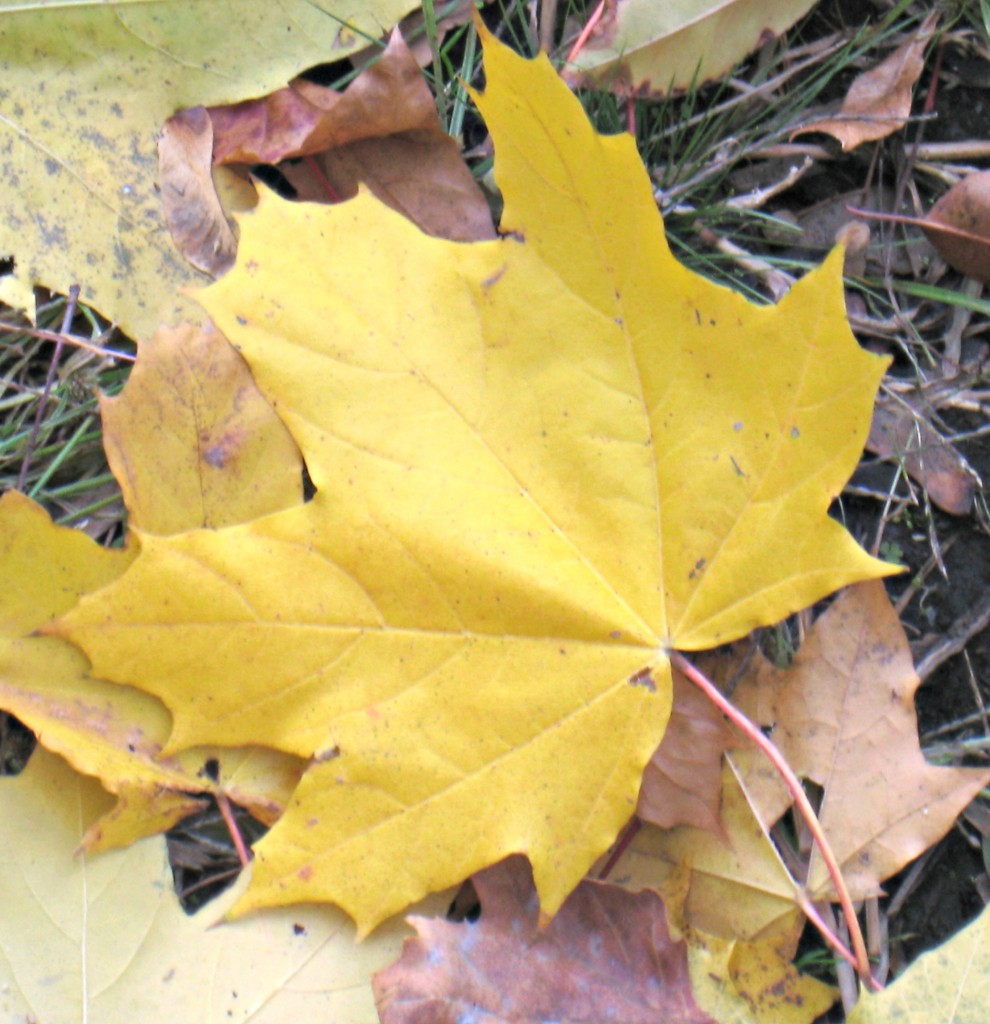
541,462
450,618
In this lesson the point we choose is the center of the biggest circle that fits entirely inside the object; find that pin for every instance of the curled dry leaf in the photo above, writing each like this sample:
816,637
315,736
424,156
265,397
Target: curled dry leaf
879,100
607,955
381,131
843,715
388,97
192,208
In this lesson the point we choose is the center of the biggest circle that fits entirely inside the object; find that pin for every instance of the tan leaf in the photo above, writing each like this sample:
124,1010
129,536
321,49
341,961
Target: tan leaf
387,97
958,225
419,173
879,101
738,888
381,131
843,716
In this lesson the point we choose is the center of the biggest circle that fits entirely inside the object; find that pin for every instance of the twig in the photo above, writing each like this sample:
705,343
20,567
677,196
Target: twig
956,637
859,956
777,282
68,339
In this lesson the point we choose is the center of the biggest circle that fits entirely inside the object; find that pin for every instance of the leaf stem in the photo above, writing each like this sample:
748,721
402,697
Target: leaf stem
231,822
860,960
582,39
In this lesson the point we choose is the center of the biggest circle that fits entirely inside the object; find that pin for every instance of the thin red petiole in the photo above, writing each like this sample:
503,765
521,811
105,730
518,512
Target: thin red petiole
324,181
585,35
859,957
243,854
628,835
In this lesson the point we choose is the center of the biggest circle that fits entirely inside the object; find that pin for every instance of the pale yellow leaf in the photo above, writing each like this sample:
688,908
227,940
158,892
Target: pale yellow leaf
103,938
948,985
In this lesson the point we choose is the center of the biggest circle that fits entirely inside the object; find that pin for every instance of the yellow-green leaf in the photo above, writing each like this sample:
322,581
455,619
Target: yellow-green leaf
104,938
948,985
641,47
541,462
87,86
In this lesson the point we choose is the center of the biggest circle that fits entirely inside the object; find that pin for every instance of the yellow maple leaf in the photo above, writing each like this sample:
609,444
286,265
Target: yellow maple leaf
112,732
541,462
191,415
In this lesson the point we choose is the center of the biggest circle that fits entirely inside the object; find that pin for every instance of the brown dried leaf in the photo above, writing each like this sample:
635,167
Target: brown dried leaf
192,208
958,225
418,173
682,784
607,955
382,131
930,459
843,716
304,118
879,101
